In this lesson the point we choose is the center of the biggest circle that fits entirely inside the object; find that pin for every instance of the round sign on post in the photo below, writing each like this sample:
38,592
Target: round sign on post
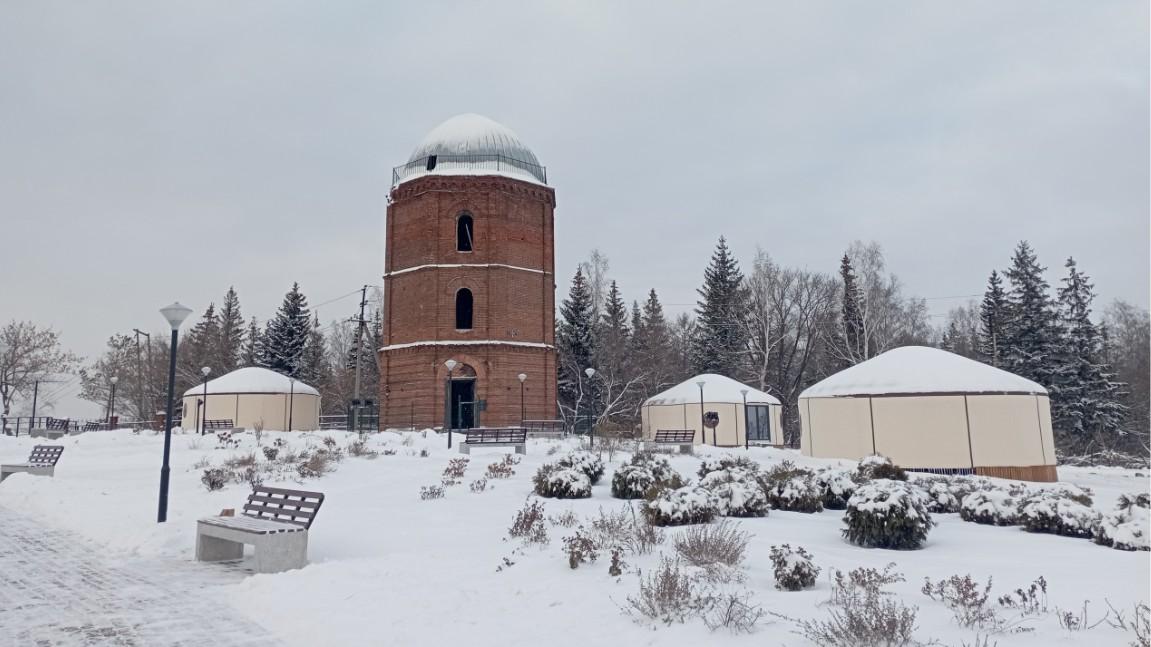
711,421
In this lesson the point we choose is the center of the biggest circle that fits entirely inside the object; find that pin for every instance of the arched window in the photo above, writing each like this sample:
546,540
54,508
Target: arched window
464,233
464,309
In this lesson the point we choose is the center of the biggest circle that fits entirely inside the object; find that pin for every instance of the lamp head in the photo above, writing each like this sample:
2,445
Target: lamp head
700,383
205,371
522,377
114,380
451,364
589,372
175,314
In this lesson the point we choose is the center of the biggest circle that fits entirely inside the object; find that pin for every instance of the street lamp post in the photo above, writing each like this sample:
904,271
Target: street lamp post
175,314
746,427
590,373
112,401
451,364
522,377
702,428
204,371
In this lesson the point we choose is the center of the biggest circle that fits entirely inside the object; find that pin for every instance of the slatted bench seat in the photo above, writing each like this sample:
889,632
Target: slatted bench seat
41,462
683,438
275,521
496,437
53,428
223,423
544,428
92,426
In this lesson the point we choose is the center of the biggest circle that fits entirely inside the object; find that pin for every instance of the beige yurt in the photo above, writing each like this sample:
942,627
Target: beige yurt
931,410
679,408
254,395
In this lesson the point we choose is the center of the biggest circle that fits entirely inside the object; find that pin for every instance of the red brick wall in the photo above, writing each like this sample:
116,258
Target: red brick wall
513,226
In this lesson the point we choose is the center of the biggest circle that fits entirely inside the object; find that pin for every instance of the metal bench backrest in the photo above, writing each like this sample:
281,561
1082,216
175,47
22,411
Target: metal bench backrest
674,436
481,435
46,455
290,506
544,426
57,424
91,426
223,423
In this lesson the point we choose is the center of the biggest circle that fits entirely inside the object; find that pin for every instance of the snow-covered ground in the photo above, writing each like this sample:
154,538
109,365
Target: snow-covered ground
388,568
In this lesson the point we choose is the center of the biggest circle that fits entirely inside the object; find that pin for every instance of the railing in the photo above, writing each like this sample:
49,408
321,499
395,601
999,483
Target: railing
18,425
467,164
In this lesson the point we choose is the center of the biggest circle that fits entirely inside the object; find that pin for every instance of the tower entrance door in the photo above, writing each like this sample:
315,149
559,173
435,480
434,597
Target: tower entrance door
463,399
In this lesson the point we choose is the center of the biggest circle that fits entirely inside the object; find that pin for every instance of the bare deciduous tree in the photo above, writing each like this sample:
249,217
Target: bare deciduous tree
29,353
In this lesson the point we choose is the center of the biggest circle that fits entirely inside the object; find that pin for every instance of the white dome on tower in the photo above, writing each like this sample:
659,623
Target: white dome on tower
471,144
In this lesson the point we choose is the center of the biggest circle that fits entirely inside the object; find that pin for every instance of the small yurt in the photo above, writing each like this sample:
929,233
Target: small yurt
935,411
679,408
248,396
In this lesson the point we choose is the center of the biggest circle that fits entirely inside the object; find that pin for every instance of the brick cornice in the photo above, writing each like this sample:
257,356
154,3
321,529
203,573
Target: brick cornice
472,183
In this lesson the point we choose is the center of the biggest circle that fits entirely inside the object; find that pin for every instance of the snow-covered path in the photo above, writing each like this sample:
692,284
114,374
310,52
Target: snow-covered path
56,590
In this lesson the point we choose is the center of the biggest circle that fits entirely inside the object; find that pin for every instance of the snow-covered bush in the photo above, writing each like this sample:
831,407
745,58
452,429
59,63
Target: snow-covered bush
710,544
945,494
792,488
642,473
992,507
793,568
669,593
214,479
1056,512
876,466
1126,527
529,524
726,461
555,482
588,463
886,514
737,493
838,485
504,468
685,505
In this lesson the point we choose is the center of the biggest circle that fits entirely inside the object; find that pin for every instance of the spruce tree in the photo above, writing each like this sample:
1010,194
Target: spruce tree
286,335
613,334
720,341
251,354
199,349
315,369
993,316
1088,413
1030,337
652,345
231,340
575,341
851,316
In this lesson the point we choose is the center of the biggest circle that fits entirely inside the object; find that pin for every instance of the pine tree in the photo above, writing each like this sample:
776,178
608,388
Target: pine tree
314,369
231,340
575,341
286,335
652,345
613,335
199,349
851,316
951,337
1087,414
720,340
1030,337
250,354
993,316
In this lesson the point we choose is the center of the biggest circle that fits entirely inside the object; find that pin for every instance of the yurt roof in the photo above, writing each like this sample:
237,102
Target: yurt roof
252,379
919,369
716,388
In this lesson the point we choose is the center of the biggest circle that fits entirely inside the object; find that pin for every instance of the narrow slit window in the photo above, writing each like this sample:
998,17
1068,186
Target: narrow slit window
464,309
431,163
464,233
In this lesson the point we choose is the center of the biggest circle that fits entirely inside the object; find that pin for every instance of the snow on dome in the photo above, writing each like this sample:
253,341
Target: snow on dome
716,388
252,379
919,369
471,144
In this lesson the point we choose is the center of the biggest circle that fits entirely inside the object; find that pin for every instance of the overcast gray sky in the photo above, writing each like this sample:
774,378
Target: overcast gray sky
152,151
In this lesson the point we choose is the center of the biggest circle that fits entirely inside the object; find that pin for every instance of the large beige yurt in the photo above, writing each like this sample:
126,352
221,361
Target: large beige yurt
679,408
931,410
253,395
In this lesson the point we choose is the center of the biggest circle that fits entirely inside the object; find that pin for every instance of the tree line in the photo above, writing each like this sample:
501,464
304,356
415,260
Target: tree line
783,329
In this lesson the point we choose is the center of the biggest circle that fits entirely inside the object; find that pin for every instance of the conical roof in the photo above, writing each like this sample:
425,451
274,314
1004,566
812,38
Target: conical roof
920,369
253,379
716,388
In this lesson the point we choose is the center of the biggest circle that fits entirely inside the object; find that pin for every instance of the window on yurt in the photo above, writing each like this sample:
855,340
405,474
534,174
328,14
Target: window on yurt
464,233
464,309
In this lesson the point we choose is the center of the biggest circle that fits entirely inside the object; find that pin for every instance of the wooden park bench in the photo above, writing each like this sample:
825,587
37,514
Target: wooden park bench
544,428
225,424
496,437
53,428
275,521
42,461
684,438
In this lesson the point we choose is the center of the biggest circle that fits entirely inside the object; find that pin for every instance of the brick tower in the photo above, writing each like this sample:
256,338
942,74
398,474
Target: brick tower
469,276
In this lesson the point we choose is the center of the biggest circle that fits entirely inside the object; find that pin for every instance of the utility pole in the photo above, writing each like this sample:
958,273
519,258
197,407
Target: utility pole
359,352
144,411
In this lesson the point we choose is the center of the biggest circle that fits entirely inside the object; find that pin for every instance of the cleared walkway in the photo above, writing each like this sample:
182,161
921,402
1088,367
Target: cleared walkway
55,591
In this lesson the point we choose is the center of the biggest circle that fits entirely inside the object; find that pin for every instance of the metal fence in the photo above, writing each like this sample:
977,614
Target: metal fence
24,425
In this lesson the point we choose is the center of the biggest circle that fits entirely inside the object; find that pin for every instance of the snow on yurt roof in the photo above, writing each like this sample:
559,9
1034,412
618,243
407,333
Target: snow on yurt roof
919,369
252,379
471,144
716,388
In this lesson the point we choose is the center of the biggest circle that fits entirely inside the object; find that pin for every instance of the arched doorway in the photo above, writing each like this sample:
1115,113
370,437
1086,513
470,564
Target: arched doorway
462,396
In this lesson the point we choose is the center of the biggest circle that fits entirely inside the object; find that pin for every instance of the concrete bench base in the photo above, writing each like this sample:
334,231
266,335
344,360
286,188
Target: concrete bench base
684,448
279,546
38,470
521,448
